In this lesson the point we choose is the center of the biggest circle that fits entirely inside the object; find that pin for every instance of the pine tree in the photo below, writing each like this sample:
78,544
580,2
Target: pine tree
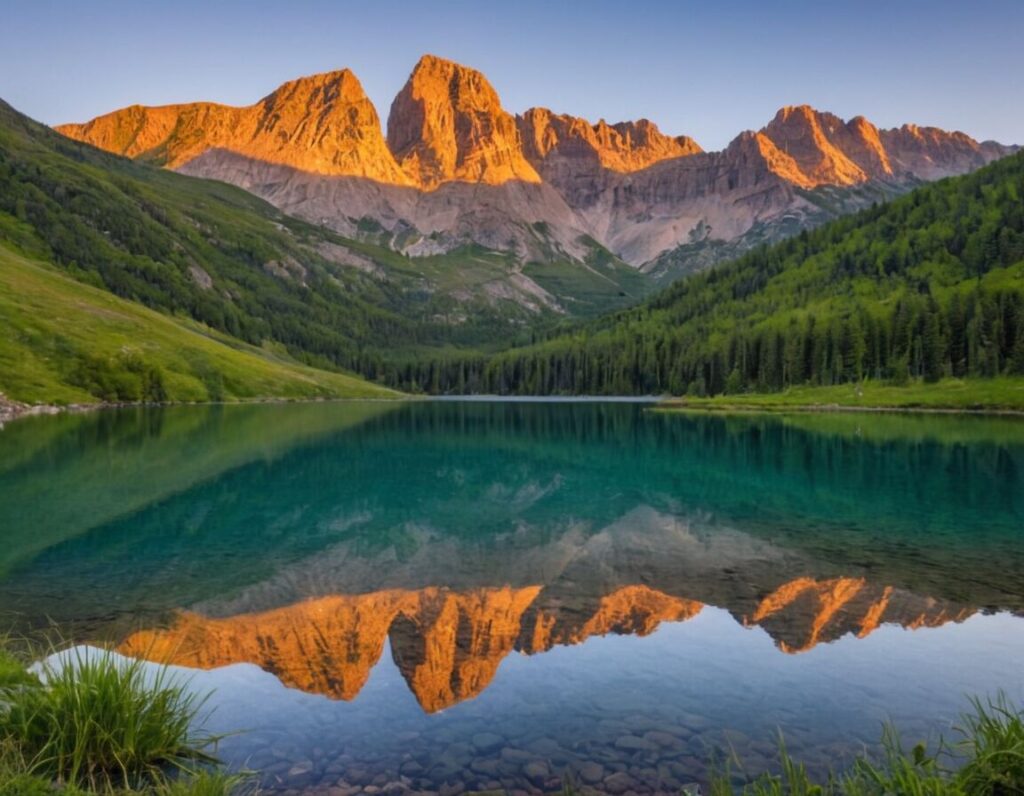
931,345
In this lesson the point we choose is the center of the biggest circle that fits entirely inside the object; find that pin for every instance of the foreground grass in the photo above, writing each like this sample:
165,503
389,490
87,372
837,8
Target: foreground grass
986,758
65,342
987,395
100,724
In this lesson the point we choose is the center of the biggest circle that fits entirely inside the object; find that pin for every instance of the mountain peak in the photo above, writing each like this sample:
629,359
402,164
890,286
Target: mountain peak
337,85
802,112
623,146
447,123
824,148
321,124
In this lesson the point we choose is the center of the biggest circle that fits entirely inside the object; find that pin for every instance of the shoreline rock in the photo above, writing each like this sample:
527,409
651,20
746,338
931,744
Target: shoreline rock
12,410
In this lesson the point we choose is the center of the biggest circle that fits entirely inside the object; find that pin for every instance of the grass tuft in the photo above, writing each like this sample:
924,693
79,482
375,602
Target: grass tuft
97,721
987,761
993,742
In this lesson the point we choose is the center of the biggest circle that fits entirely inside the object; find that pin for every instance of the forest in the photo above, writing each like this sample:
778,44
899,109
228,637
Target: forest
926,286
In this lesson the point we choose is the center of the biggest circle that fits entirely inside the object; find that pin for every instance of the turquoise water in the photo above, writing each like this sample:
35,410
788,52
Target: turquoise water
434,596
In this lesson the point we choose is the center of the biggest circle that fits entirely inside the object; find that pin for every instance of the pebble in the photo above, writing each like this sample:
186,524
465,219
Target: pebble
617,783
634,743
536,771
664,739
544,746
487,741
486,766
591,772
301,768
514,755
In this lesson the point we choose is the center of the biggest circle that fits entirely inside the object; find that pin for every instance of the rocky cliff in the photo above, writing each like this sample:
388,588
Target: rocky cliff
447,124
323,124
456,167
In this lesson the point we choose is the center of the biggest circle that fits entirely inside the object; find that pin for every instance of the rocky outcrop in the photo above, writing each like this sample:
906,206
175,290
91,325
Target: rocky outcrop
447,124
447,645
930,153
12,410
630,610
456,167
622,147
449,649
323,124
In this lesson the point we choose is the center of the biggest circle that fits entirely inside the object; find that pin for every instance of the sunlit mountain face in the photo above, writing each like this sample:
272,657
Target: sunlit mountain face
438,585
454,167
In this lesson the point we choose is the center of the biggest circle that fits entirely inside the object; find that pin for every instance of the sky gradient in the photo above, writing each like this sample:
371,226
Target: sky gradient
707,69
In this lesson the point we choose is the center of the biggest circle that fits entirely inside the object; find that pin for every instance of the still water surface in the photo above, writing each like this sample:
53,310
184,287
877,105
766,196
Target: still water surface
438,596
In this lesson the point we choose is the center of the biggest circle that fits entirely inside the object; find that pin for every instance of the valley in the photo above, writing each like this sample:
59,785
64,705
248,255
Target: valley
454,399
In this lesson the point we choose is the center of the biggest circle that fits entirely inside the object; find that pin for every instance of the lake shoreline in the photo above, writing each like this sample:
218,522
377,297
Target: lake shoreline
11,411
751,408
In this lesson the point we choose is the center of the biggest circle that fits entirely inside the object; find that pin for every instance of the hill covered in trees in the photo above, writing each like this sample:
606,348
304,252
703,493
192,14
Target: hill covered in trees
929,285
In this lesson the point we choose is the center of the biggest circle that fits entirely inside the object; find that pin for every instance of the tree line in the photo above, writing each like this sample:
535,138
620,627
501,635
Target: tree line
927,286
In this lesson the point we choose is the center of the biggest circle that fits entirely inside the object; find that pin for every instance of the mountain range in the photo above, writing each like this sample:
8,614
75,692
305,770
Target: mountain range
454,168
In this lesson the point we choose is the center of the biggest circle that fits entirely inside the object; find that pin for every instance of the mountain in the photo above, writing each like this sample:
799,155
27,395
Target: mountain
323,124
622,147
457,168
927,286
447,125
231,262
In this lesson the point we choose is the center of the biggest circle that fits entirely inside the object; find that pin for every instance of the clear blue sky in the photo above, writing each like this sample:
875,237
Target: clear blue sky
706,69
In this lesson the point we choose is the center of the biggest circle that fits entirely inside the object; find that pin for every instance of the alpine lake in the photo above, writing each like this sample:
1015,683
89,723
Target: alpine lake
460,596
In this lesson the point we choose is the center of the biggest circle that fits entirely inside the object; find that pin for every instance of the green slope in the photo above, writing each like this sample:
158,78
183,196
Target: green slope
233,262
1005,393
65,342
926,287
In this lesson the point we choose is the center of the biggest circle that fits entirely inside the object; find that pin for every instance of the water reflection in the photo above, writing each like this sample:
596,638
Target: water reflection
481,559
448,643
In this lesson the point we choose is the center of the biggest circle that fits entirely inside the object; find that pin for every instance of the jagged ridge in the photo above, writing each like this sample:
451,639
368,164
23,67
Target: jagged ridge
315,148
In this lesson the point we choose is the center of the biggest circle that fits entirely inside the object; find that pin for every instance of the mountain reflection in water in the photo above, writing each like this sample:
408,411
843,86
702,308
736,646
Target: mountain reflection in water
448,643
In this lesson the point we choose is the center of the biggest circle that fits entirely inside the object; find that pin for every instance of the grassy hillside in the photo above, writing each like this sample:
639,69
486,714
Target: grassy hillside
65,342
988,395
927,287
